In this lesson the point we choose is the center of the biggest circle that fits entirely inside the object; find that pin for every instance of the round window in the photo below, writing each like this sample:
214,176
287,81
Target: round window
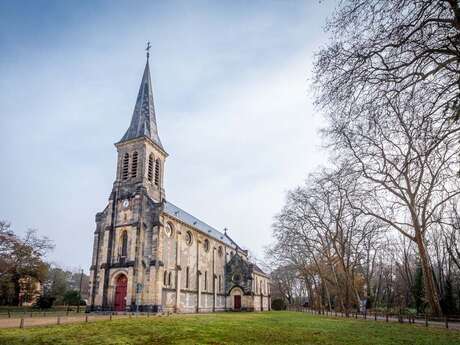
188,238
168,230
236,278
206,245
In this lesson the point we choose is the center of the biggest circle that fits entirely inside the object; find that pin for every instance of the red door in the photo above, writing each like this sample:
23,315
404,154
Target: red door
120,293
237,302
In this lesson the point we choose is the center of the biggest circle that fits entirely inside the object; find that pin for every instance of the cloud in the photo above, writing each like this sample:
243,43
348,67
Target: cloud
231,93
242,151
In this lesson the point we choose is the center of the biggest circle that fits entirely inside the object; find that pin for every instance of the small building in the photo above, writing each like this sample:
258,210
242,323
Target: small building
30,289
151,255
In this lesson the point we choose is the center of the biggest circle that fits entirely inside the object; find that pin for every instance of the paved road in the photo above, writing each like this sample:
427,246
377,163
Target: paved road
54,320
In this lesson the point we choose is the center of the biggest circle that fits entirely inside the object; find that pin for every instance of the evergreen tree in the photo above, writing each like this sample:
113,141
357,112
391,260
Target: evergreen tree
448,300
417,290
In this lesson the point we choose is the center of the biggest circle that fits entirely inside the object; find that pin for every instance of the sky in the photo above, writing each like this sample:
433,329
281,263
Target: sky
233,98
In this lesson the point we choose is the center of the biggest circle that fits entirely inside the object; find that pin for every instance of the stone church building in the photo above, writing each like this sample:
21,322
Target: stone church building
149,254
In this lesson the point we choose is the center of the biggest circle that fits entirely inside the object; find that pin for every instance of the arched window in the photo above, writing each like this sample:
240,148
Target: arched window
134,165
169,279
206,245
187,274
124,244
165,278
205,280
157,172
150,168
220,283
125,168
188,238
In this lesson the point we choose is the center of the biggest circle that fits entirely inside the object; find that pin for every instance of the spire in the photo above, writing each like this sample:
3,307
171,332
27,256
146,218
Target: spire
143,122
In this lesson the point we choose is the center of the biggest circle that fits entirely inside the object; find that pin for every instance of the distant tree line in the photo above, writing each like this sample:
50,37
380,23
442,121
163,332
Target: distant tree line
382,224
62,287
25,276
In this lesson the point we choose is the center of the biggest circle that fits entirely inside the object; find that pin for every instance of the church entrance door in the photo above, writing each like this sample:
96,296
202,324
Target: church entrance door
120,293
237,302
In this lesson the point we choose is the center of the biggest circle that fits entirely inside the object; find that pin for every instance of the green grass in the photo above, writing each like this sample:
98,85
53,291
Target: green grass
232,328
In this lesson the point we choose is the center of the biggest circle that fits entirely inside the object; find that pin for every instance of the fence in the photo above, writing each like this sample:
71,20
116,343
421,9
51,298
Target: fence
452,321
9,313
24,322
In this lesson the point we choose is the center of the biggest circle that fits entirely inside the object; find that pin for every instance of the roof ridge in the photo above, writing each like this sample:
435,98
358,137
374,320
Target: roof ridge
191,215
197,223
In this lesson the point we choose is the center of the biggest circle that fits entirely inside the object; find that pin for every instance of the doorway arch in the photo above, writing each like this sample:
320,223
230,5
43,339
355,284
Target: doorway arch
121,289
236,298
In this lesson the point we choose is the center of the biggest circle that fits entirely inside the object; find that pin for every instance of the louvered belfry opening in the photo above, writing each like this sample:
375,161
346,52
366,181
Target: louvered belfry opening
134,165
157,172
150,168
125,169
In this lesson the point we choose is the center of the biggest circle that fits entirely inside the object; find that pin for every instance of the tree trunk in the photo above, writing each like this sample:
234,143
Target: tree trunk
328,295
339,295
347,296
430,286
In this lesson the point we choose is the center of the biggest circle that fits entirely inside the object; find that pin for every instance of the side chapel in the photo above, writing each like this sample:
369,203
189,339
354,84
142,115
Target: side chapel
149,254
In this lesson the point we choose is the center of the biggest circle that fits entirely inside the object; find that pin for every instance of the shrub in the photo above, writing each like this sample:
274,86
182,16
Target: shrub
44,302
72,297
278,304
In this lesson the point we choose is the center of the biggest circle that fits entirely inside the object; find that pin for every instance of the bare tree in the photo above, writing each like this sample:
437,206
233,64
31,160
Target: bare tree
389,82
451,233
326,238
286,282
7,241
405,153
381,48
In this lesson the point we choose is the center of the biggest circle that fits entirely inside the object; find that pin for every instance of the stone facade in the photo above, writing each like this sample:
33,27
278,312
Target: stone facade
150,255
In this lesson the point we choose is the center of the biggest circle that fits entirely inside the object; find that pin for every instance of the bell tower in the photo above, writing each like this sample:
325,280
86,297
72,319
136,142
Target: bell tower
126,241
141,156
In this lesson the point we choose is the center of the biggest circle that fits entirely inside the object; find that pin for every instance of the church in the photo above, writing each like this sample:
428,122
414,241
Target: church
150,255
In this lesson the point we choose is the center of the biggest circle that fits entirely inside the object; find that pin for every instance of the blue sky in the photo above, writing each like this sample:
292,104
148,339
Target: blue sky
232,95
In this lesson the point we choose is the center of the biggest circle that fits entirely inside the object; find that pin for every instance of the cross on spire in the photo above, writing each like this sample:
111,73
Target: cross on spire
148,49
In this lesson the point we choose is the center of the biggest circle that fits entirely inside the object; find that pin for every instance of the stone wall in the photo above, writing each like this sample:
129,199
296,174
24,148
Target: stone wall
197,268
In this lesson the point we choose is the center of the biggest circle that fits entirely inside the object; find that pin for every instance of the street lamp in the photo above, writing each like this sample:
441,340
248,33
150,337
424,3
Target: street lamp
79,292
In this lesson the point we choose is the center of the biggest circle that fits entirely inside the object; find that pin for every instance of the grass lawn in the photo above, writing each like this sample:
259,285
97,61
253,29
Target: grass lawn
232,328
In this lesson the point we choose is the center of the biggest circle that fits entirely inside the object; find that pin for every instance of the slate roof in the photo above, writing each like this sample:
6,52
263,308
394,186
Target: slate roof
258,269
176,212
143,121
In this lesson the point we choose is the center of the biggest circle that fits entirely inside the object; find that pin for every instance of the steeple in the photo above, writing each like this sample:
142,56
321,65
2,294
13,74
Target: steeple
143,122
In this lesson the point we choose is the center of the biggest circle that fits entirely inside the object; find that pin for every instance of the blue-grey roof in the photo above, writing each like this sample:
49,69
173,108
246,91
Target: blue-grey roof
176,212
258,269
143,122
